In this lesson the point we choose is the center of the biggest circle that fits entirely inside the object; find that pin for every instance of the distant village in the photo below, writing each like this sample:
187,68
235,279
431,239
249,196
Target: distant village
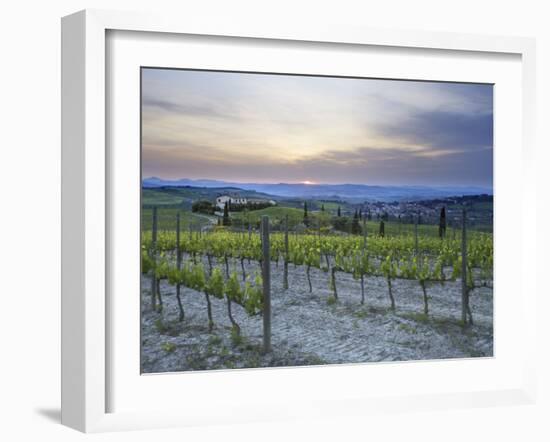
428,210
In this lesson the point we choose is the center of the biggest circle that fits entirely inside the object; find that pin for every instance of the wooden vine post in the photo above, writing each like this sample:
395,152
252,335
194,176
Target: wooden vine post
154,259
178,246
416,234
364,234
464,269
266,275
363,256
178,263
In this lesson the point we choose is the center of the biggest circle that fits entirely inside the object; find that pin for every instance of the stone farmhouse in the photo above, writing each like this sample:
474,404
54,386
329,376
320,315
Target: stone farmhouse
221,200
239,201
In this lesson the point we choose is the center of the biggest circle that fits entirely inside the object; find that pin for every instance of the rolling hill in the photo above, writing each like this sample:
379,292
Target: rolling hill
349,192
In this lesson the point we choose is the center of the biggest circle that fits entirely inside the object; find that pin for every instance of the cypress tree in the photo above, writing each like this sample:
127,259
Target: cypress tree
322,207
382,229
339,212
306,219
355,227
226,219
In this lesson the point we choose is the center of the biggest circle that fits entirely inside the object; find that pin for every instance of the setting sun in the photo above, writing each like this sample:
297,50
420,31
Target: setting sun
307,182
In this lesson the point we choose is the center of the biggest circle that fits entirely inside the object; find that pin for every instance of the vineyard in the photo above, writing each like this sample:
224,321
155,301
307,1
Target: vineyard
328,298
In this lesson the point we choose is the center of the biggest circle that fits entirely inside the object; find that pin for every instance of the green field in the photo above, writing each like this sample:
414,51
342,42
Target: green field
167,219
331,206
276,214
171,200
159,198
476,206
296,216
394,228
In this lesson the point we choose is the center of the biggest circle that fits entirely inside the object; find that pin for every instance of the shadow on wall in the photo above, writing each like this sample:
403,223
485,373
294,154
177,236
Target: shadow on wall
51,414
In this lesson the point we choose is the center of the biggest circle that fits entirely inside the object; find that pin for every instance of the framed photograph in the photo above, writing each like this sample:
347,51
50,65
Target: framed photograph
279,223
374,204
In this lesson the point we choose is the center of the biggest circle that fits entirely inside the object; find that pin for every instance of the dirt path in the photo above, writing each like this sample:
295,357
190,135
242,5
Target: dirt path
212,220
306,329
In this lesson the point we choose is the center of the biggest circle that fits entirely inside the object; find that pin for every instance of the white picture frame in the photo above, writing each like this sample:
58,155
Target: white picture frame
85,209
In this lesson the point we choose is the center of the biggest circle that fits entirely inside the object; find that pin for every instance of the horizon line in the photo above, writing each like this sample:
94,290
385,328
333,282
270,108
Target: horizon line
313,183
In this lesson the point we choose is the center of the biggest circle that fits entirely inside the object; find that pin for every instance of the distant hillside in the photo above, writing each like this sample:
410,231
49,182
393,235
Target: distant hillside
186,195
349,192
295,216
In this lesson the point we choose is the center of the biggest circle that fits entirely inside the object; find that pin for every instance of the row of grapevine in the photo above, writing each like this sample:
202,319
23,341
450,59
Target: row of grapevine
216,281
426,260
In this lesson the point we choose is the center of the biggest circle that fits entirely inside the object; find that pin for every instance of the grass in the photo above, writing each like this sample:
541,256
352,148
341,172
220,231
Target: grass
167,212
170,328
214,340
295,216
236,338
395,228
159,326
417,317
434,321
161,197
254,361
407,328
478,205
168,347
361,314
330,206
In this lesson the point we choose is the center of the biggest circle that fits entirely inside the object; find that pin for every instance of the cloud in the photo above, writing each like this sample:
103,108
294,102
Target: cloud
189,109
397,166
443,130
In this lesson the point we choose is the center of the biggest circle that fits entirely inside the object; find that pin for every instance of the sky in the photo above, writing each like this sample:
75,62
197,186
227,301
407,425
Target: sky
260,128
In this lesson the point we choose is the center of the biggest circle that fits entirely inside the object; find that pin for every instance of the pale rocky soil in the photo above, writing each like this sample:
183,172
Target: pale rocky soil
306,330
